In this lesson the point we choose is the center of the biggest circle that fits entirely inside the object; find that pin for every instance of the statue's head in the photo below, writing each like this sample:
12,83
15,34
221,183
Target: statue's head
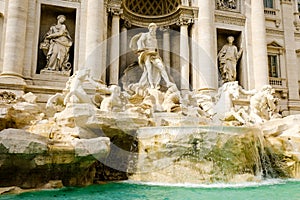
61,17
152,25
230,39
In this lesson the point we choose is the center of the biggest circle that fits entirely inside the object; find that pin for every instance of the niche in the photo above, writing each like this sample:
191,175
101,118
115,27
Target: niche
222,35
62,62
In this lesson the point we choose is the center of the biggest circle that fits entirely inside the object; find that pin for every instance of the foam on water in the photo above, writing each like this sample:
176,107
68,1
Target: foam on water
266,182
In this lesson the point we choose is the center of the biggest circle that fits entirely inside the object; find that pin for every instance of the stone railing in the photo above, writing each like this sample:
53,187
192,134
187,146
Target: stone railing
270,11
277,82
272,14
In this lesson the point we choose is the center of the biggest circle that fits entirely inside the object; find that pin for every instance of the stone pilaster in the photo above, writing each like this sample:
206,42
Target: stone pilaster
15,43
204,68
290,46
259,45
166,48
123,47
116,11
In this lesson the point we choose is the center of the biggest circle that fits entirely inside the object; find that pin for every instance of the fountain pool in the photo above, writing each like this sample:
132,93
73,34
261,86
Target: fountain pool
267,189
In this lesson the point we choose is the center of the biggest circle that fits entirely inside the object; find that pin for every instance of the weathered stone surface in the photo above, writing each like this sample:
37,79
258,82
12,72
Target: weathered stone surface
198,154
283,145
29,161
19,115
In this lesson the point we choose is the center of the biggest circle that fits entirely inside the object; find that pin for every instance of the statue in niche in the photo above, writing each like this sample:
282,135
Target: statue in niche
231,4
145,45
228,57
56,46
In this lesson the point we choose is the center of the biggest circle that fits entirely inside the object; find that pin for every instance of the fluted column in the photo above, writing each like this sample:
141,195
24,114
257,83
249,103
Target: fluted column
184,55
166,48
204,70
259,44
115,10
15,41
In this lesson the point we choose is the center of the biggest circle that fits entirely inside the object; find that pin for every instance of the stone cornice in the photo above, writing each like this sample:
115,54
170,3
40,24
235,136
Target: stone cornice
297,35
229,18
286,2
274,31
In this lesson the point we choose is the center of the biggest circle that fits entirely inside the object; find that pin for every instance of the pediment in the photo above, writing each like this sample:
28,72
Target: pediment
275,44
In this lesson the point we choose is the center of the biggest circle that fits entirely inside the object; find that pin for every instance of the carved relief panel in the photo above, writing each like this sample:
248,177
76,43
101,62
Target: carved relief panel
228,5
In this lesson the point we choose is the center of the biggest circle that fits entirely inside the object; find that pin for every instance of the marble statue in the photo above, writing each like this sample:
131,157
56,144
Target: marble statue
225,109
145,45
113,102
56,46
263,105
228,57
76,93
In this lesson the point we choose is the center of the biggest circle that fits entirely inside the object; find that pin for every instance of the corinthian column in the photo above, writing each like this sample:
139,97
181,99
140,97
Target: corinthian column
184,54
204,70
15,42
259,44
115,45
94,39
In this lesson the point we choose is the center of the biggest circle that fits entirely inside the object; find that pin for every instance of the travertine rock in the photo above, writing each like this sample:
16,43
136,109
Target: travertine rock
198,154
29,160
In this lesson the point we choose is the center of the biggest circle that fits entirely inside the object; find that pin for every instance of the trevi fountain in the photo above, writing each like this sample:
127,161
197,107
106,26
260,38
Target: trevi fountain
146,139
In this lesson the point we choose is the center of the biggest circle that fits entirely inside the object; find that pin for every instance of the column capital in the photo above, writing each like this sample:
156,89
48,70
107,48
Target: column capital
164,28
126,24
114,7
185,20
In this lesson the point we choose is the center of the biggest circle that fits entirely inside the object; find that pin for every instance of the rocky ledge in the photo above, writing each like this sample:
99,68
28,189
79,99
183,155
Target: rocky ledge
30,161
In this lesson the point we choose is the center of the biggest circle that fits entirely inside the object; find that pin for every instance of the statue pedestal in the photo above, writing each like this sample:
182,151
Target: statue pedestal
58,73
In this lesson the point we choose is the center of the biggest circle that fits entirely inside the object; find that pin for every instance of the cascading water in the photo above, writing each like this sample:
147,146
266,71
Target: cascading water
204,154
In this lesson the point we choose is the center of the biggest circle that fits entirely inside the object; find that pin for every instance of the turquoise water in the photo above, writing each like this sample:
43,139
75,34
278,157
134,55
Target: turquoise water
273,189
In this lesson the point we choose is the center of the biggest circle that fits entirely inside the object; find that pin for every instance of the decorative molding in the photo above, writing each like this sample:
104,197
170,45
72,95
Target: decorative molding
233,18
78,1
297,35
286,2
274,31
275,47
185,20
183,14
114,7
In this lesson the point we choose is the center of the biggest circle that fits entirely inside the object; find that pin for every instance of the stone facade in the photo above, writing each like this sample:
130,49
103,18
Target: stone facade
190,35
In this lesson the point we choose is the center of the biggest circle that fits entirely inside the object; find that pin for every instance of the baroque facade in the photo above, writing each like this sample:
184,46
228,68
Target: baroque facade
190,35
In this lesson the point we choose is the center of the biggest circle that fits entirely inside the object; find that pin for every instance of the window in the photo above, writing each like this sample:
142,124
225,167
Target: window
269,3
273,63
